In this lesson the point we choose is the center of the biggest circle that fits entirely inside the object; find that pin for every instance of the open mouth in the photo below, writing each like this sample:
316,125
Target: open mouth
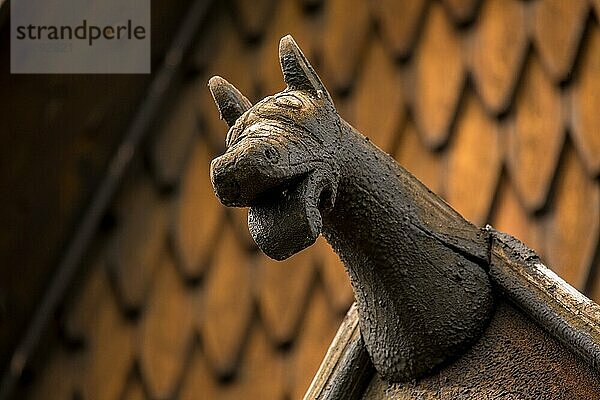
286,219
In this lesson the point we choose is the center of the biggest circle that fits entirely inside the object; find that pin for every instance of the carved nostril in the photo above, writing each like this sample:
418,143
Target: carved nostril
271,154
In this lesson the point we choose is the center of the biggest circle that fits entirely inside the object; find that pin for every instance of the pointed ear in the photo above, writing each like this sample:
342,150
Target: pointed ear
298,74
230,102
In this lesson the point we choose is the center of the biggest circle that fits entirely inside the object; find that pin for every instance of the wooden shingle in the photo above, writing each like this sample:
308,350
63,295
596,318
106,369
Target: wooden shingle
252,17
585,119
399,23
260,374
469,95
170,146
288,19
78,322
596,4
282,291
312,343
198,216
228,306
378,99
462,10
136,246
498,50
536,139
573,225
344,39
439,77
165,333
109,353
511,216
333,275
474,162
199,379
419,160
134,390
238,220
557,29
57,381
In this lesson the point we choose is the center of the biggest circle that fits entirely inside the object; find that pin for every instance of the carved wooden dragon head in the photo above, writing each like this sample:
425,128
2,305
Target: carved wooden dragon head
416,266
281,156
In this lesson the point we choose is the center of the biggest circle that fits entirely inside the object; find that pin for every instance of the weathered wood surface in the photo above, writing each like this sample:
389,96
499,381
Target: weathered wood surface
542,342
515,359
417,267
547,299
346,369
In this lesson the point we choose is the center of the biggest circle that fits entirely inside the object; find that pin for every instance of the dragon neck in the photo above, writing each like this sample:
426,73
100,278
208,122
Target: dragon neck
416,266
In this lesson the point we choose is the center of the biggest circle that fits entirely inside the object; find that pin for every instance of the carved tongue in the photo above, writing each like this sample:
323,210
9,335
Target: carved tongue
284,224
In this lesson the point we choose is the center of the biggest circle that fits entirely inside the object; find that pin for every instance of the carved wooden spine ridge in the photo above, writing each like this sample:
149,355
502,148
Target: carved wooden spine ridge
418,269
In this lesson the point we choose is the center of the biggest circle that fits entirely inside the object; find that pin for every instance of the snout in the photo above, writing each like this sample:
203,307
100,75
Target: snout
245,172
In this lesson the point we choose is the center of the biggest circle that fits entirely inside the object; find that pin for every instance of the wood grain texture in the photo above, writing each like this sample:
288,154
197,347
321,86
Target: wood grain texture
535,142
557,29
541,325
346,368
402,245
439,77
497,51
528,363
565,314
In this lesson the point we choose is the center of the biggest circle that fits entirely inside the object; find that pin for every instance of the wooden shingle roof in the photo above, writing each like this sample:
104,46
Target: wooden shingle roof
492,104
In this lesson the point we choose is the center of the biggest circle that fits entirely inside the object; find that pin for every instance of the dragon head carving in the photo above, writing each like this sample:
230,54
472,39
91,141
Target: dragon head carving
281,156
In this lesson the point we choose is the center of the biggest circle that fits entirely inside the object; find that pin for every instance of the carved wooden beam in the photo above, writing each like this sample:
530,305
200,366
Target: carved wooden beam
346,369
417,268
541,322
568,315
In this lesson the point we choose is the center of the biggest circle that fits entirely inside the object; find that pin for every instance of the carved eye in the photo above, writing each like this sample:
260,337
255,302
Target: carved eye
289,100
